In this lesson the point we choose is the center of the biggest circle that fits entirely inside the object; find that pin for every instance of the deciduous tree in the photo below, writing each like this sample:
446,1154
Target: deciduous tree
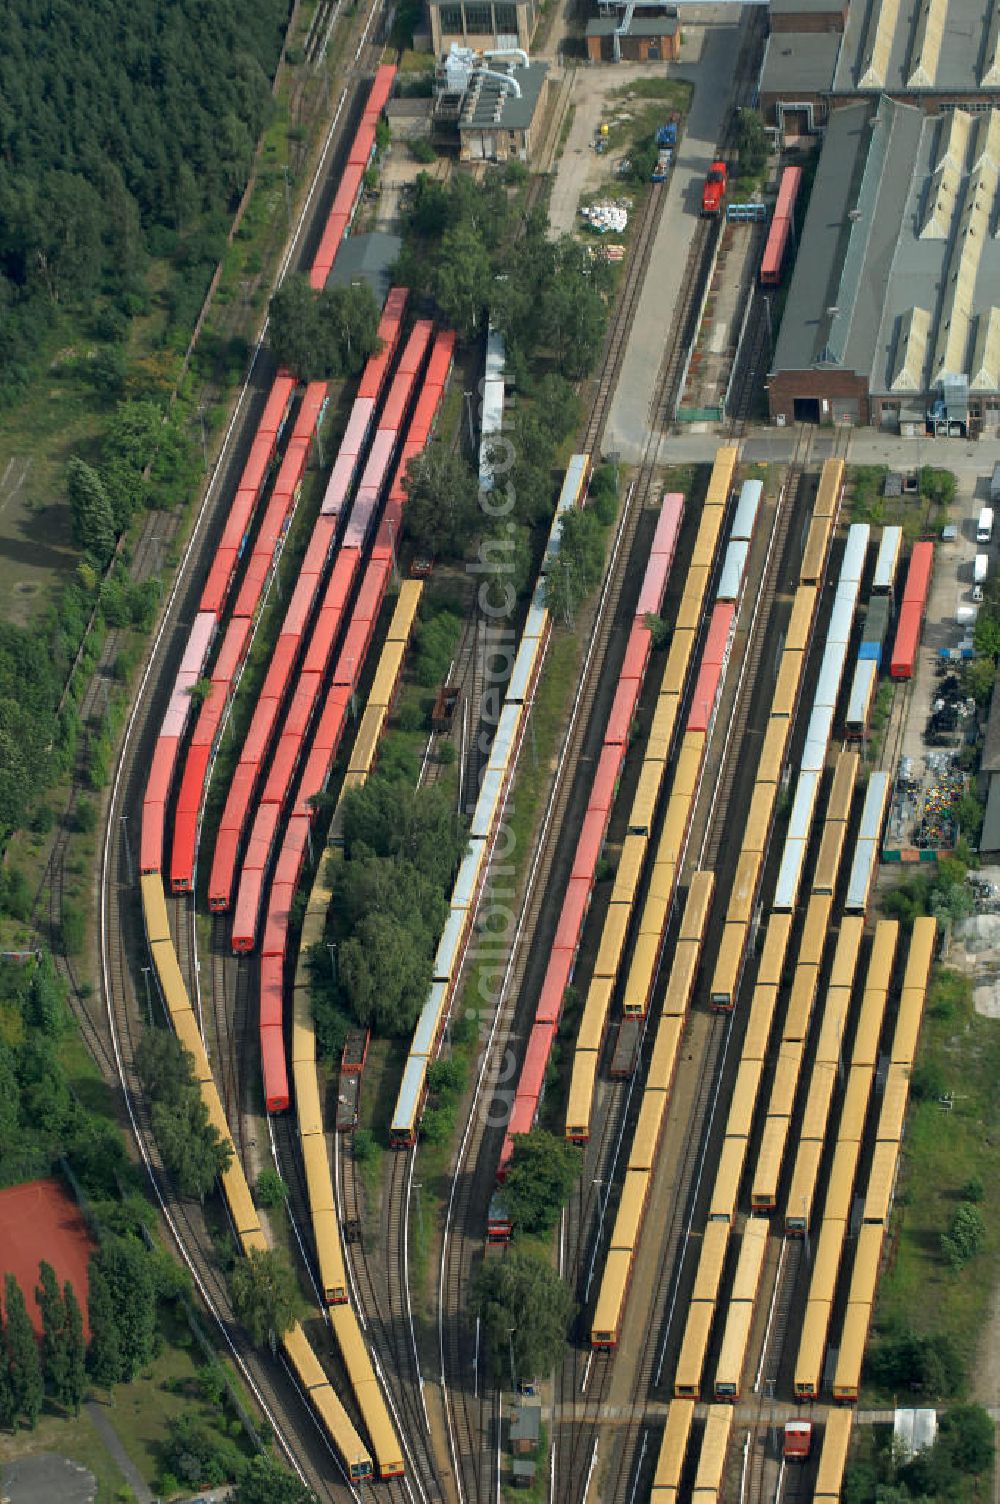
264,1295
543,1171
526,1310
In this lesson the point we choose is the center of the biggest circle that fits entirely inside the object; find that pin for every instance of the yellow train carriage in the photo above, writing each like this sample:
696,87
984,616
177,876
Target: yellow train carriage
744,1098
772,957
627,877
154,907
764,1188
786,690
683,974
664,722
711,1262
831,852
802,1187
673,1449
728,1174
819,1100
816,548
366,743
845,774
666,1049
883,956
678,661
772,753
726,976
762,1009
882,1182
697,906
807,1376
640,820
833,1456
741,900
186,1026
845,957
694,1346
374,1414
580,1101
721,479
712,1458
611,1298
801,619
847,1374
310,1374
612,944
840,1189
642,969
317,1166
168,974
815,929
831,485
647,1130
759,817
800,1004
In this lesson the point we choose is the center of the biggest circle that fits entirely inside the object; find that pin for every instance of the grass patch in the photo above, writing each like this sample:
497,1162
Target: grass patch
943,1152
675,92
141,1414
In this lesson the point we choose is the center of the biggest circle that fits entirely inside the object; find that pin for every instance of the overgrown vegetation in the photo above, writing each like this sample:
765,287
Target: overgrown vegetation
951,1471
401,848
944,1246
942,891
192,1148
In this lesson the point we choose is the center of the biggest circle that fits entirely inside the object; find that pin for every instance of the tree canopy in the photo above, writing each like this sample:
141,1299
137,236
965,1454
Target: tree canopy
125,131
265,1297
442,500
319,335
191,1146
526,1310
543,1171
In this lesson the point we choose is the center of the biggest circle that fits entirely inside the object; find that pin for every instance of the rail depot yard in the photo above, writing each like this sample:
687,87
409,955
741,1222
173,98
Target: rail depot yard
495,971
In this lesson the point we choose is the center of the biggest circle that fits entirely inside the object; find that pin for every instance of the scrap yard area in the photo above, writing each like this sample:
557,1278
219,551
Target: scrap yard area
548,807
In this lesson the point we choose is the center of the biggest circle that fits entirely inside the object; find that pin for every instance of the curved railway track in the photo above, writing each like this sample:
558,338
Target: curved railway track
122,958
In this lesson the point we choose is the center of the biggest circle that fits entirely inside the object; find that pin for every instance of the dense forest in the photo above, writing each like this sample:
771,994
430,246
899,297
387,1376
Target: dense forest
126,130
127,135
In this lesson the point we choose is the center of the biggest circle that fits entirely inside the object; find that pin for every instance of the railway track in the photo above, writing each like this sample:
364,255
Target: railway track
385,1302
51,893
631,1439
122,957
471,1419
122,953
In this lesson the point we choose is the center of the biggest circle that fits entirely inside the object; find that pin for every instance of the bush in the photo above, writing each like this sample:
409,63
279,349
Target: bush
438,1124
973,1190
15,893
365,1145
85,815
927,1082
271,1189
73,929
423,151
965,1236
